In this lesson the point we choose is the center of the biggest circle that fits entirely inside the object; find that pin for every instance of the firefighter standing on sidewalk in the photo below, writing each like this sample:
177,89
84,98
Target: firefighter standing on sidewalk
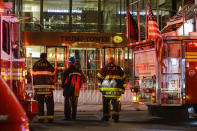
111,81
43,81
72,80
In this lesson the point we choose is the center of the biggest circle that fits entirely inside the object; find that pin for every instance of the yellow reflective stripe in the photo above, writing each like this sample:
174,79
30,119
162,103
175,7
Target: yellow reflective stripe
15,78
115,113
110,89
118,99
42,73
43,93
40,117
13,69
124,85
114,77
50,117
107,114
44,86
100,76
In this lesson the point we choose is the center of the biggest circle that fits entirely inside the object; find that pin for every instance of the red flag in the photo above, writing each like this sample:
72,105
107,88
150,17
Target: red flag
153,29
154,33
132,30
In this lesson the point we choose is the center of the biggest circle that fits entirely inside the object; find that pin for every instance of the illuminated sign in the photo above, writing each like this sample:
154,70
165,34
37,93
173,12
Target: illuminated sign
65,38
85,38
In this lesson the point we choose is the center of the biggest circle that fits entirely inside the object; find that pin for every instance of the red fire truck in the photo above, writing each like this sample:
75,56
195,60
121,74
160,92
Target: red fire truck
12,70
168,86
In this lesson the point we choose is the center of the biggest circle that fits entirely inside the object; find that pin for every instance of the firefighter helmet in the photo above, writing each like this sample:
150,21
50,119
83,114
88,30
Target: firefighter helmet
110,60
71,59
43,55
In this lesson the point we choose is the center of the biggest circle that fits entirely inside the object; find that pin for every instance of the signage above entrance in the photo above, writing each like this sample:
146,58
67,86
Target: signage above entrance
73,39
86,38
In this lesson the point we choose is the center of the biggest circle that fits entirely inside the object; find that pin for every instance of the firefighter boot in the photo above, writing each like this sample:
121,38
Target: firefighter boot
41,119
50,120
105,118
115,118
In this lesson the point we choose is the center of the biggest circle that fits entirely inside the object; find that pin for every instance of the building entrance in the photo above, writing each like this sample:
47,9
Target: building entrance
57,56
90,61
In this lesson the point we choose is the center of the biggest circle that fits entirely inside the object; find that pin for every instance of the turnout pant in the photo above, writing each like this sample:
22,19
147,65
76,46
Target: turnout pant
115,101
42,98
70,105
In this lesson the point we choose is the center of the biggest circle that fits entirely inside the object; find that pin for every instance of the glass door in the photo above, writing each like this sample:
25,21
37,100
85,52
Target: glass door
57,57
117,53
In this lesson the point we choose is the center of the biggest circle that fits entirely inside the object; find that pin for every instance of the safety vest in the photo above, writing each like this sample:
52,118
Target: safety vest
43,77
111,81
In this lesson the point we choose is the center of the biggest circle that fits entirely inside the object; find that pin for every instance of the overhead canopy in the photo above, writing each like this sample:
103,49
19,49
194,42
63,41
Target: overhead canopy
177,20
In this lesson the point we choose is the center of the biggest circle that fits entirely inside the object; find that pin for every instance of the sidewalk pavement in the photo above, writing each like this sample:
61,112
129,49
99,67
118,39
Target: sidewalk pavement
59,107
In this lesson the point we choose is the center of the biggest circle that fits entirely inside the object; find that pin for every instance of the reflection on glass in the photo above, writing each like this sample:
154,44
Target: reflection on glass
60,57
113,52
34,50
88,59
56,15
51,55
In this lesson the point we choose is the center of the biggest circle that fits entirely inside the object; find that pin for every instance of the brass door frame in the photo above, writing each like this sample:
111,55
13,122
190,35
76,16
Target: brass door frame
114,54
65,56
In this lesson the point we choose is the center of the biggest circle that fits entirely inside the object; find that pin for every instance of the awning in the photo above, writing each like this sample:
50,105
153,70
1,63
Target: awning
177,20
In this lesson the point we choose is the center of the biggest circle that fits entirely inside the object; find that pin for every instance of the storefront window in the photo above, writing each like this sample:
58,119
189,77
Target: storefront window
88,60
31,10
89,16
84,15
34,51
111,15
32,55
56,15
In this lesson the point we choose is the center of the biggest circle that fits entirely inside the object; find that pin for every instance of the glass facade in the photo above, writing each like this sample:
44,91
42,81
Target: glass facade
84,16
31,10
89,16
56,15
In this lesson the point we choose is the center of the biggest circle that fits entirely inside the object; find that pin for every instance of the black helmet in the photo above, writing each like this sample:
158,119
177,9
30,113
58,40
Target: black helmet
43,55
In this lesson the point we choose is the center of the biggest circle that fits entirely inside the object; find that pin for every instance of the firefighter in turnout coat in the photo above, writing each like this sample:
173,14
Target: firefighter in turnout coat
43,83
111,81
72,80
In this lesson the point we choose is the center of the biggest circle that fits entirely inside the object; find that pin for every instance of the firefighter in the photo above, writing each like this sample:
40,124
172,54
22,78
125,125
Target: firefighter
72,80
111,82
43,81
